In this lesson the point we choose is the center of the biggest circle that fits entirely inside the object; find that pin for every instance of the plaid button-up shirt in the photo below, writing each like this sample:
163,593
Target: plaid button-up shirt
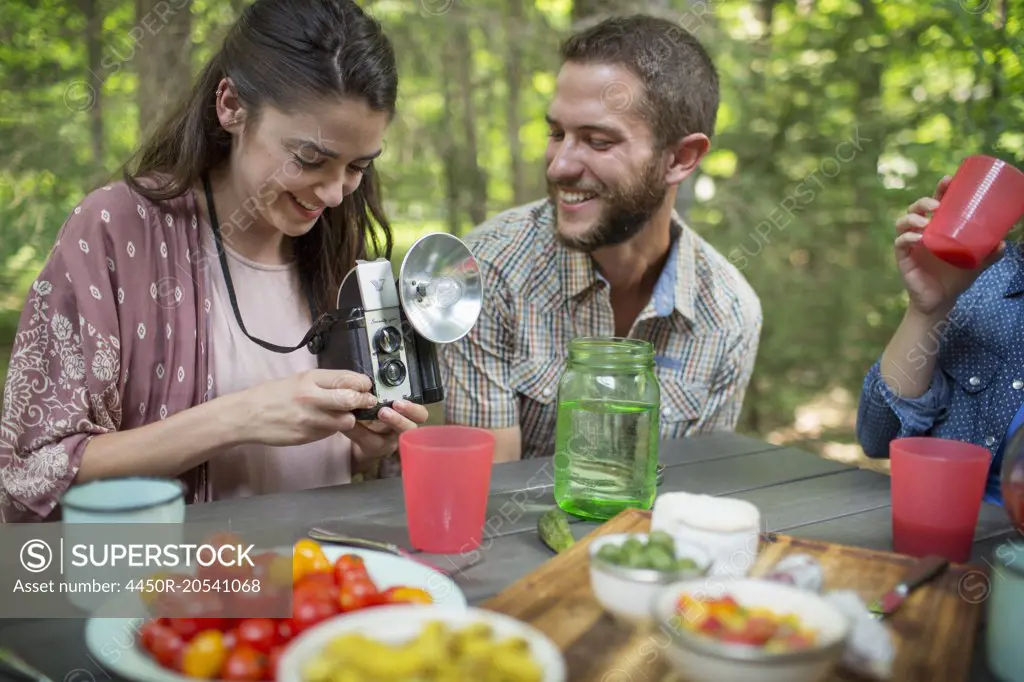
704,321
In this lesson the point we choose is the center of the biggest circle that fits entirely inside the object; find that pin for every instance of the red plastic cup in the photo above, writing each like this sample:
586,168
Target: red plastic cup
446,478
981,205
937,488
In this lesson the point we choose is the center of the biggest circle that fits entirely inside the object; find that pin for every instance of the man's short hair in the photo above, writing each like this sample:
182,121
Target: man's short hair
681,82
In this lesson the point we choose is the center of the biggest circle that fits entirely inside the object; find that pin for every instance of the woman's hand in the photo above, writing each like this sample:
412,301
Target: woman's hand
302,408
933,284
379,438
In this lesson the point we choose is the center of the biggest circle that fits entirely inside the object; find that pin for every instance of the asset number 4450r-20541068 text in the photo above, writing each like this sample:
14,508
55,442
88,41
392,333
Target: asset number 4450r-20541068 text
197,585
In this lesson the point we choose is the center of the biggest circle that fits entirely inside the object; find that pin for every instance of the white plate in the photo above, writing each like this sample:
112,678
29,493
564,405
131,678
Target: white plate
402,622
112,640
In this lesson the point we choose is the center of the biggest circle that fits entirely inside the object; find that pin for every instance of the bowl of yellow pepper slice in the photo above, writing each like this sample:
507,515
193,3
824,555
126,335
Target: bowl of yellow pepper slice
422,643
750,629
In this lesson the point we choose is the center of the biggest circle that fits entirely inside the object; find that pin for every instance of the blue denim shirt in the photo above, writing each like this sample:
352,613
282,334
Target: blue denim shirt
978,385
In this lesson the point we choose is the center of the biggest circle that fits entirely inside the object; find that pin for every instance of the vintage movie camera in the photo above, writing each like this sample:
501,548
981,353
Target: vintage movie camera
388,329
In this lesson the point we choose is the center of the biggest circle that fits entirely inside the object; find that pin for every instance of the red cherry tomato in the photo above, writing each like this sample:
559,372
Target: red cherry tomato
227,564
308,613
316,587
163,644
259,633
358,593
268,602
760,630
285,631
192,612
271,568
245,663
347,567
190,627
321,578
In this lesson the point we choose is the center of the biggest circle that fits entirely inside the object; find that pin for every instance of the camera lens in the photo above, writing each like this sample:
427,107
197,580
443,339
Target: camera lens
392,372
388,340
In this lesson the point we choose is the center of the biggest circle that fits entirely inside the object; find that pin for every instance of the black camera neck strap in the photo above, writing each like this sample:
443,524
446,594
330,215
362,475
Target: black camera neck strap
314,338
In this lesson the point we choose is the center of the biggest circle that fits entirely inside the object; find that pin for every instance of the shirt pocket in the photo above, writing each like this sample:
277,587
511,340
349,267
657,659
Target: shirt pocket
682,404
972,372
538,380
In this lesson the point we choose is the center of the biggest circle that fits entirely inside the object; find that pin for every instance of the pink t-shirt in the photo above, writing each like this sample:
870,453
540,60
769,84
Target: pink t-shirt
274,309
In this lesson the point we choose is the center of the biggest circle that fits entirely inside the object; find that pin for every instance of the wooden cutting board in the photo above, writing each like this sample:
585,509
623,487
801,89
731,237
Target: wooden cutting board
934,631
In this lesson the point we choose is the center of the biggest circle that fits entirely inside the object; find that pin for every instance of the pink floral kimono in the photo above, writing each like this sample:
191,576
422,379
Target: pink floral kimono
113,336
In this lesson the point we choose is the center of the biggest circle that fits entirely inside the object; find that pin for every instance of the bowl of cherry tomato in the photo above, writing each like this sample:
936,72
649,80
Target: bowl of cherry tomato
749,629
218,635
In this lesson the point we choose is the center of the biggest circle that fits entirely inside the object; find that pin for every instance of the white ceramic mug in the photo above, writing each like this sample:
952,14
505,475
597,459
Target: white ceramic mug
88,508
133,499
728,529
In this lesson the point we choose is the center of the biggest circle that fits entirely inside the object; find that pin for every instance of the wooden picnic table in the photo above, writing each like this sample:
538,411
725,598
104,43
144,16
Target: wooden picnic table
798,493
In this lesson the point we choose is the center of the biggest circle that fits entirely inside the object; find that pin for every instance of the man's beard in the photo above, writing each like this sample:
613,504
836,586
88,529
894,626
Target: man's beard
625,213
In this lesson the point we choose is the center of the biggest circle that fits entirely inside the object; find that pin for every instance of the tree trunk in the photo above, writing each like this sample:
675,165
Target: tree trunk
450,150
756,163
993,130
94,48
514,27
162,38
867,108
474,177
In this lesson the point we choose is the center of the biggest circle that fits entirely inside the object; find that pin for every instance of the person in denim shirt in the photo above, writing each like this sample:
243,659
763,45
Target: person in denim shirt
954,368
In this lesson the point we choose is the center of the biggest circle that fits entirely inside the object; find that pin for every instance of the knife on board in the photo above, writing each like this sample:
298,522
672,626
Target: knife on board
920,572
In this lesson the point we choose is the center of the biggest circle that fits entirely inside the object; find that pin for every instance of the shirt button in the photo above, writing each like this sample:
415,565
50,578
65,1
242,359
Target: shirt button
974,381
1018,384
990,440
666,411
547,392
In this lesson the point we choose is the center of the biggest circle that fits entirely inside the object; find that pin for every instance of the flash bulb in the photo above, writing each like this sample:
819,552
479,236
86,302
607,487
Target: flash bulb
442,292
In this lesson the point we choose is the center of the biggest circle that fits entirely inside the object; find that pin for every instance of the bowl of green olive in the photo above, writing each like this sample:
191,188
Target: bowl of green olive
628,569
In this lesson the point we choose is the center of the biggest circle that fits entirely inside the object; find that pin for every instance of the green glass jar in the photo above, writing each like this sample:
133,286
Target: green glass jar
606,436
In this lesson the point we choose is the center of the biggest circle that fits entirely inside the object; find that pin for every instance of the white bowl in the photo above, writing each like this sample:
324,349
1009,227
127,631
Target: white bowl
402,622
728,529
628,592
704,659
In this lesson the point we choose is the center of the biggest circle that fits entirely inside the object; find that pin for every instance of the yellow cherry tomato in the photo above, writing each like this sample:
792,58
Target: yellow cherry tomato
308,557
204,655
407,595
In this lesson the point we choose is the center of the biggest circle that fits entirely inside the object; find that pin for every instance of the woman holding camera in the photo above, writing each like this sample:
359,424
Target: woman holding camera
145,344
954,368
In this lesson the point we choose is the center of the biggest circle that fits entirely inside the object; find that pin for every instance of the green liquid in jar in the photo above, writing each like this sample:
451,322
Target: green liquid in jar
606,457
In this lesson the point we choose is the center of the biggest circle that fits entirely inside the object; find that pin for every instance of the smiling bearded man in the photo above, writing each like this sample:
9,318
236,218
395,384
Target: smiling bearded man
626,209
605,254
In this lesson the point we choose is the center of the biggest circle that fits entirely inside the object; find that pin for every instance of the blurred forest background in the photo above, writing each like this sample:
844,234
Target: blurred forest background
836,115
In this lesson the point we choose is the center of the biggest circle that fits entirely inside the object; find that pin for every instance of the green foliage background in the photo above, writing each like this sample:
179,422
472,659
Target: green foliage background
807,214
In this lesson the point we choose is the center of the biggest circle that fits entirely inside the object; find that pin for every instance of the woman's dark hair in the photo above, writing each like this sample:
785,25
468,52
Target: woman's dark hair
284,53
